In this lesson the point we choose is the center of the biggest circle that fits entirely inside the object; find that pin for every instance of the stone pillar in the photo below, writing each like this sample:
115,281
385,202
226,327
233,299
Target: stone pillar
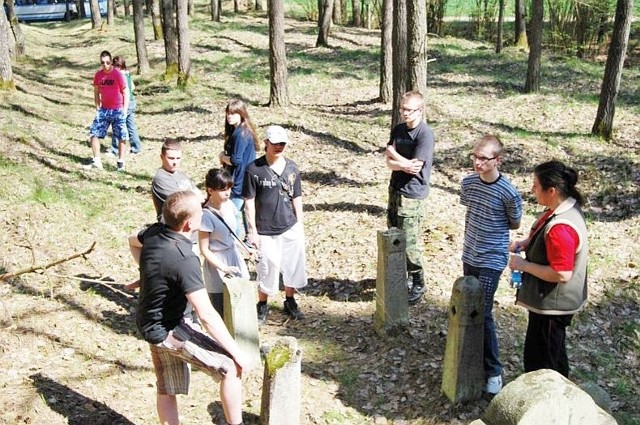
281,385
240,315
463,375
392,313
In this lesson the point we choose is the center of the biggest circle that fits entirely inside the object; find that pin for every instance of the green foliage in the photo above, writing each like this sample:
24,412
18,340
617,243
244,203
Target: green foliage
304,9
7,85
278,356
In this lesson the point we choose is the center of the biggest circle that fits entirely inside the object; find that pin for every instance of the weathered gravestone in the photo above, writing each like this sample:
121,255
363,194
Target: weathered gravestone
463,375
392,307
543,397
281,384
240,315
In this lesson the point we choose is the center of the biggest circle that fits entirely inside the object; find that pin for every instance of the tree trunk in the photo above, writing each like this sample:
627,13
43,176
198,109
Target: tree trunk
236,6
190,7
141,44
16,30
215,11
111,6
259,6
96,19
386,51
184,43
535,48
156,23
170,38
126,4
582,23
417,45
603,125
356,18
6,73
279,95
499,38
82,13
399,58
337,12
325,11
520,26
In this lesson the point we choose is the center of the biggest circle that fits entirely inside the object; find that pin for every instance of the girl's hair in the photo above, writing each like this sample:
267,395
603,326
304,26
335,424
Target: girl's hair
237,106
557,175
218,179
119,62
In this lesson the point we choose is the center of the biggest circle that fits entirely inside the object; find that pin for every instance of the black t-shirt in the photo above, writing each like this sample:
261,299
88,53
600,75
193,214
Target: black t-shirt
414,143
273,195
169,270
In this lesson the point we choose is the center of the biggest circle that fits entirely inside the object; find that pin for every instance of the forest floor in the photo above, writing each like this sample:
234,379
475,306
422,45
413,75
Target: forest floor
68,346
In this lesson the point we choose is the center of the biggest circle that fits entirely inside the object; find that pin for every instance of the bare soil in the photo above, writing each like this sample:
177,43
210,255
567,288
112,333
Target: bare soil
68,346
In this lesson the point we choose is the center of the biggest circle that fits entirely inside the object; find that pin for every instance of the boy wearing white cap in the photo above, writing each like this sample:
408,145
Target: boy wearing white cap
272,190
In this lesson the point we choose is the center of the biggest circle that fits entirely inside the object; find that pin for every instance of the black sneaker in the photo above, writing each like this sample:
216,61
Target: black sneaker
263,312
291,308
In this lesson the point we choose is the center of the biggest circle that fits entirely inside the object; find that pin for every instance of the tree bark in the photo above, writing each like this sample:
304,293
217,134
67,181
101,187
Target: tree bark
325,13
582,21
603,125
158,33
6,72
356,19
141,44
170,38
399,57
236,6
499,38
184,43
259,5
190,7
520,26
82,13
111,7
96,19
337,12
215,11
417,45
386,51
532,83
279,94
16,31
127,5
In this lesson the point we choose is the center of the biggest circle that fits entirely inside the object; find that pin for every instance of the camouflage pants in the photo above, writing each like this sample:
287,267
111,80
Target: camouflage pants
407,214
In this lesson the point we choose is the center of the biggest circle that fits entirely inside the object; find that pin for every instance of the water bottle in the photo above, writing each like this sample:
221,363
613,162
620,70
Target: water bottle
516,275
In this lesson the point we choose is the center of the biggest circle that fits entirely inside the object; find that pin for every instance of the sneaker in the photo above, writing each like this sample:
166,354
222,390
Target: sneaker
263,312
135,152
93,166
291,308
494,384
111,154
120,168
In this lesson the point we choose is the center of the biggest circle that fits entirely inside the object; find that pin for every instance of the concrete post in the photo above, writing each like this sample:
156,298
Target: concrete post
392,313
240,315
463,375
281,385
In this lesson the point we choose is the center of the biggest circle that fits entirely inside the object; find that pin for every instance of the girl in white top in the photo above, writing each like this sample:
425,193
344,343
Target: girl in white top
218,244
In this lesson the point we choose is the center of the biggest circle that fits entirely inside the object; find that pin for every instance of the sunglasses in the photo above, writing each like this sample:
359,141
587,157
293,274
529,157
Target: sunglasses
283,144
105,62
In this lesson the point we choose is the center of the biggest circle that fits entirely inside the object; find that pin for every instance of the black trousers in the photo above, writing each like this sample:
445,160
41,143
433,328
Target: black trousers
545,343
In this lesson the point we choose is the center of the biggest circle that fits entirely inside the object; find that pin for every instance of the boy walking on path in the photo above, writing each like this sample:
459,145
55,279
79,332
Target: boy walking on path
272,190
111,97
409,155
171,288
493,207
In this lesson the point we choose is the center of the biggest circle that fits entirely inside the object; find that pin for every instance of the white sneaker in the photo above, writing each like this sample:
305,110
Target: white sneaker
494,384
93,165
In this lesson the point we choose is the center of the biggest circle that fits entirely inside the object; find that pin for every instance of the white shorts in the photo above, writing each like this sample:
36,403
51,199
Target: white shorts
288,246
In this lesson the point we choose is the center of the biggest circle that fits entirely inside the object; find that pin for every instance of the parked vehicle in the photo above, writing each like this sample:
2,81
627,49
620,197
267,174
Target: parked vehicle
102,4
45,10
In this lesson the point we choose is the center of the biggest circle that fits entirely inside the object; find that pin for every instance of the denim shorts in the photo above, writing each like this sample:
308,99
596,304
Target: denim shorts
114,117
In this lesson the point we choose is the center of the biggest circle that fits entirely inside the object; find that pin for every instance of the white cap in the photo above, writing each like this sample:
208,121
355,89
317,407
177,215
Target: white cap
277,134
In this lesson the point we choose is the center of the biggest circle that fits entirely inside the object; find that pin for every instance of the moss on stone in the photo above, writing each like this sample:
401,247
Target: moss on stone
277,357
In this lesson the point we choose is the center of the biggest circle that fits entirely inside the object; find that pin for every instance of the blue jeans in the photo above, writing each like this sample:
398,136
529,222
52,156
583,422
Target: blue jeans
489,280
132,128
241,226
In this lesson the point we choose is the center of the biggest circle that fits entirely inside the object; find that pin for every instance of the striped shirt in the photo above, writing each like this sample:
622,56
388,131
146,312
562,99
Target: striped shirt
491,208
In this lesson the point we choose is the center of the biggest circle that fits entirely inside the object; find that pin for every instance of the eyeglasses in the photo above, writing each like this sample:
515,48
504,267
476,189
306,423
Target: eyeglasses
482,159
105,62
409,111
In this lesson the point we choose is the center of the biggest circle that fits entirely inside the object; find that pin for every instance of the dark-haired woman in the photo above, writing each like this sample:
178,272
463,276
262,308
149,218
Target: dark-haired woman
136,146
240,146
217,244
554,284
